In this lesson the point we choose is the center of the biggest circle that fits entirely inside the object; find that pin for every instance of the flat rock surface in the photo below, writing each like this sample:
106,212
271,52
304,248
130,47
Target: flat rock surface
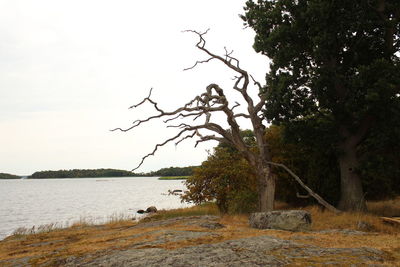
252,251
208,241
255,251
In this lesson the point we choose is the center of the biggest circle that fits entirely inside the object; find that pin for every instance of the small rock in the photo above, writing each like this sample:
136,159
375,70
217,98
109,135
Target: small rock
151,209
141,211
364,226
290,220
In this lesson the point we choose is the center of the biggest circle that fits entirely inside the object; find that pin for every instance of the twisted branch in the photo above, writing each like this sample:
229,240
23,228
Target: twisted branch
205,105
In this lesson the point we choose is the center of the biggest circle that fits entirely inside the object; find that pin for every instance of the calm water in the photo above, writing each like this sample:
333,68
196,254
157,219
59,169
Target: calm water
27,203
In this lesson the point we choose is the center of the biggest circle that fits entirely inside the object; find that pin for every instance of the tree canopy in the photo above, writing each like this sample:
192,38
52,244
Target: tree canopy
173,171
334,72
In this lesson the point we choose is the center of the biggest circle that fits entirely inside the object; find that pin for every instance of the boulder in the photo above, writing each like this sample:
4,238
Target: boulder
151,209
290,220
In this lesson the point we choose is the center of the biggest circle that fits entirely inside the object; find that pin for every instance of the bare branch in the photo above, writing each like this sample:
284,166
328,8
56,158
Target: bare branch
256,83
237,104
201,45
157,146
261,103
208,138
186,137
197,63
247,116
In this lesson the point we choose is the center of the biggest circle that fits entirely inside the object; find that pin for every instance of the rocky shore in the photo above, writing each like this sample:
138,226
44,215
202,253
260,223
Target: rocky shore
209,241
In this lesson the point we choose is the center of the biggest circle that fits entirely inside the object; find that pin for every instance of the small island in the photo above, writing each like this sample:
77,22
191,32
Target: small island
171,173
83,173
9,176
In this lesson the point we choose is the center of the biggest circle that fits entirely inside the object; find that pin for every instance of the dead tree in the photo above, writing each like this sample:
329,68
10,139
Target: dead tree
212,101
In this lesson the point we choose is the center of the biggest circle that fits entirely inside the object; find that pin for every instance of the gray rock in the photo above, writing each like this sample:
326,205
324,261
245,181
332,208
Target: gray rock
212,225
342,231
253,251
364,226
289,220
151,209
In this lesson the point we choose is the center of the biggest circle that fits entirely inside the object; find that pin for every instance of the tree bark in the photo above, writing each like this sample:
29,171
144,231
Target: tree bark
352,195
267,190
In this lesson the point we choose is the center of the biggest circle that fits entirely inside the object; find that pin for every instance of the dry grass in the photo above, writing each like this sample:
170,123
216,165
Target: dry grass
54,244
387,208
323,220
204,209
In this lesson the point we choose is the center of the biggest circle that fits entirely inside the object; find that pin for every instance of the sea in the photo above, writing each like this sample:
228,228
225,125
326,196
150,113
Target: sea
62,202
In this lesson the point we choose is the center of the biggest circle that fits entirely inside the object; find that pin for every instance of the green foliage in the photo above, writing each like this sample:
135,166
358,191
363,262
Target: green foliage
334,79
380,165
317,168
225,177
330,56
380,161
9,176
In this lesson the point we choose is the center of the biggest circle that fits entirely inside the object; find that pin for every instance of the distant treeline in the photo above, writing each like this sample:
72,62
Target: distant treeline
78,173
9,176
174,171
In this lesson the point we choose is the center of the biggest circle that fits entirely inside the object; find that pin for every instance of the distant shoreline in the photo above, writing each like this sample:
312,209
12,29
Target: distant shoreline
173,178
60,178
181,172
7,176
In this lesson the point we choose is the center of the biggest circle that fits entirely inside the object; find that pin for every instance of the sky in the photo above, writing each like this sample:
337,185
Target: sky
69,70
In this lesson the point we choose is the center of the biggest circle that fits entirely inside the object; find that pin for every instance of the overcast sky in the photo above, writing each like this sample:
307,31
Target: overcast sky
69,70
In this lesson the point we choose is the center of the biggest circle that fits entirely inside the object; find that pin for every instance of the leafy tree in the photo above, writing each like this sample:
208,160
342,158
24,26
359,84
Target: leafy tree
334,72
225,177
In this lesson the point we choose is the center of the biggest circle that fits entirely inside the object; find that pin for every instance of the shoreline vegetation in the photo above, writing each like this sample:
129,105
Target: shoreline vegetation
9,176
173,178
83,239
171,173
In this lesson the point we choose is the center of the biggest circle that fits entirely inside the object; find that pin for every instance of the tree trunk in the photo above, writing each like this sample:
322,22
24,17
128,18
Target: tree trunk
267,190
352,196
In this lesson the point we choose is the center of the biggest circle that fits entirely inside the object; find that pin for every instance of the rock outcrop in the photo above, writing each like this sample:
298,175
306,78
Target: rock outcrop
289,220
151,209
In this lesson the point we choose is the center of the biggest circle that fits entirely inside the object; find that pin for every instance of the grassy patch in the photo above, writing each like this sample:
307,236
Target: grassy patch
325,220
386,208
173,178
203,209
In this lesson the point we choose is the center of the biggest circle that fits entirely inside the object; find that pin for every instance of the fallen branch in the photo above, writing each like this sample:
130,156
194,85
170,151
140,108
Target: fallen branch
393,221
310,192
